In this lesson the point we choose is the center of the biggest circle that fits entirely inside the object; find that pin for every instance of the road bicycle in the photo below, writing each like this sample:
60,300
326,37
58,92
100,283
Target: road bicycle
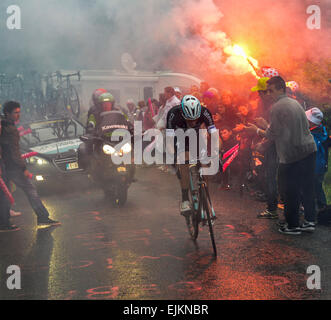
33,98
202,209
61,97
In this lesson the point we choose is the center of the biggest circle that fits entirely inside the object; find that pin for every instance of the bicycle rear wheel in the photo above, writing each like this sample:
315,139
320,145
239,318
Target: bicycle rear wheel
206,206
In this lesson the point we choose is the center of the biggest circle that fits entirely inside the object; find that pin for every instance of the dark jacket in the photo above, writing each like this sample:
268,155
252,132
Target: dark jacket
322,142
94,118
228,144
9,141
112,120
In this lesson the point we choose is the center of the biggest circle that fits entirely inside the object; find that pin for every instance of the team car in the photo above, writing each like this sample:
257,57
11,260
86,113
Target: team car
54,144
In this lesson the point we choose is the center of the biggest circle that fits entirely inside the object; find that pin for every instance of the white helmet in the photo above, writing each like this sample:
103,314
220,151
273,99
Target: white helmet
191,107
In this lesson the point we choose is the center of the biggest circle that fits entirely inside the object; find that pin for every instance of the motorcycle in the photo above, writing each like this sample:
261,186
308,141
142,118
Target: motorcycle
114,179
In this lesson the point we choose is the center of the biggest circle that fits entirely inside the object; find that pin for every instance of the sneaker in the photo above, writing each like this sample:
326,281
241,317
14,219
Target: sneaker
15,213
292,231
9,228
268,214
308,226
47,222
185,208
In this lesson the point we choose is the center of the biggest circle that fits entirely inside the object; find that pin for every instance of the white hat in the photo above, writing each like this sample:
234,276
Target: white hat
314,115
177,89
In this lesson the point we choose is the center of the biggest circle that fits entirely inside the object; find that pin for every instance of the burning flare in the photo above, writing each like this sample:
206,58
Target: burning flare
239,51
242,60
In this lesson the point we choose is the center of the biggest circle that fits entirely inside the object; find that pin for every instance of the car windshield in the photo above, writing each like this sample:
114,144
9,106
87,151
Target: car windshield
50,131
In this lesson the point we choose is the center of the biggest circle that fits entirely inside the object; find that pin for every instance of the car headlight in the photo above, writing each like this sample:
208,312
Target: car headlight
37,160
126,148
107,149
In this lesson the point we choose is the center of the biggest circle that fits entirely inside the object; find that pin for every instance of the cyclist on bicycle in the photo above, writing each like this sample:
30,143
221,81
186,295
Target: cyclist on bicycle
188,115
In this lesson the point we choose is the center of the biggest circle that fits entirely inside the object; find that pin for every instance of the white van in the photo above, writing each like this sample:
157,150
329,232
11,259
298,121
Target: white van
136,85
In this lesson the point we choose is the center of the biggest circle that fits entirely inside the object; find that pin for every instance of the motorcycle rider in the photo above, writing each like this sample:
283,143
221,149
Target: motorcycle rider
108,115
85,149
102,119
97,107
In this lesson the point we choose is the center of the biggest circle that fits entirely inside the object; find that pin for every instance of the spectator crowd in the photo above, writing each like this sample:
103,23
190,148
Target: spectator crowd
273,146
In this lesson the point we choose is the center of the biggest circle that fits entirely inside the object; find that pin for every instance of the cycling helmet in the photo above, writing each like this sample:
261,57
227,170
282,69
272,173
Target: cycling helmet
106,101
96,94
191,107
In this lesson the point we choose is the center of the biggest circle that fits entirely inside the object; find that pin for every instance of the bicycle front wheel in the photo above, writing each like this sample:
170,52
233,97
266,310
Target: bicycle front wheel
205,205
193,219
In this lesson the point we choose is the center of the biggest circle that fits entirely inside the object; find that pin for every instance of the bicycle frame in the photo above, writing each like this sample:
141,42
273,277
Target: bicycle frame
67,79
202,182
59,97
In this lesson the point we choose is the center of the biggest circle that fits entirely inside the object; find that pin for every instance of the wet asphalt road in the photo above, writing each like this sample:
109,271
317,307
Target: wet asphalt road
143,251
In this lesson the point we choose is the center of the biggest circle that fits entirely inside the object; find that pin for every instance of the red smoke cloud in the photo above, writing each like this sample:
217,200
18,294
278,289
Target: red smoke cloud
274,32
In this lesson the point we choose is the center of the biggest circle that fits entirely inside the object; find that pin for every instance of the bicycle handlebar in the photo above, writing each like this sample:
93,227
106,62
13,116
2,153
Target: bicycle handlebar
67,76
49,76
59,75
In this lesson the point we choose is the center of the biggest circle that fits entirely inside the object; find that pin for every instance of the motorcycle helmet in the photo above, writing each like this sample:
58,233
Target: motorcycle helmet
96,94
106,101
191,107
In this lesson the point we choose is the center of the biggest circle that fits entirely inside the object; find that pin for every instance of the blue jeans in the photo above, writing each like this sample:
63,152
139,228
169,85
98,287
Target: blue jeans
30,191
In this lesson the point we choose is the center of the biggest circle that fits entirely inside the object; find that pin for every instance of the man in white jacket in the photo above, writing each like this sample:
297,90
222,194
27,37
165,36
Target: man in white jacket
161,118
171,102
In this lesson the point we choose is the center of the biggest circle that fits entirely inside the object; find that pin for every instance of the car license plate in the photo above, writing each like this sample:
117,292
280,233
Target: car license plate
121,169
72,166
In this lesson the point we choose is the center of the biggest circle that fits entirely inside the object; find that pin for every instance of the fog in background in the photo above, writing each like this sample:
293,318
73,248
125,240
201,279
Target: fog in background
185,35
